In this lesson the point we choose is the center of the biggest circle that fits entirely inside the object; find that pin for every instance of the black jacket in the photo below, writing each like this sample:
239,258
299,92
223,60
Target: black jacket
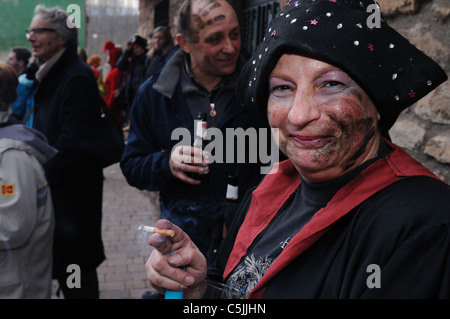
158,110
385,234
66,111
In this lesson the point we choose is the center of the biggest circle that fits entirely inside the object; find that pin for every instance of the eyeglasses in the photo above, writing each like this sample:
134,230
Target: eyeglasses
38,31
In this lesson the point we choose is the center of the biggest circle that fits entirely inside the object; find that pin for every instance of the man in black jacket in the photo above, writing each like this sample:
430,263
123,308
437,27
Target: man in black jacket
67,112
199,77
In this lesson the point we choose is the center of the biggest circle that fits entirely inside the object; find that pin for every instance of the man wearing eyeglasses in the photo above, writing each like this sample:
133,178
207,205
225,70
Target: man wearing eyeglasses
66,111
44,41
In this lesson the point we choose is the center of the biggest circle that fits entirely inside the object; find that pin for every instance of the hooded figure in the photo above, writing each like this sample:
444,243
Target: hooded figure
113,80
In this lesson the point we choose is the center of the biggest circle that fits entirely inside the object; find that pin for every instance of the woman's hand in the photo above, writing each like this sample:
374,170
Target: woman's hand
164,268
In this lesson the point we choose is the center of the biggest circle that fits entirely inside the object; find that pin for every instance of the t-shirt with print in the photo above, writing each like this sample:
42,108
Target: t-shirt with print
295,213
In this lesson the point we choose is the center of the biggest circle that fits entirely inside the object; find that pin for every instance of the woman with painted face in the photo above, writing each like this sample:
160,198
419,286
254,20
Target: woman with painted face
349,214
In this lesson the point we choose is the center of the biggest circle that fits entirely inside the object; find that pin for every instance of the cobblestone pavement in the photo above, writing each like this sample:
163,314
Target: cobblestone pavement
122,274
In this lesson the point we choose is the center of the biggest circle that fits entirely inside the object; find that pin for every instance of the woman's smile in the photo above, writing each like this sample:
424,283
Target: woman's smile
327,124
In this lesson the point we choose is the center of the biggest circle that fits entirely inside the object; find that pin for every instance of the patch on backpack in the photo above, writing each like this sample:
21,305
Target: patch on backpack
7,189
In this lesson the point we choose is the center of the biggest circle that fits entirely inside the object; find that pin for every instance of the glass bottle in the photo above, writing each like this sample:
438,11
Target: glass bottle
200,127
232,188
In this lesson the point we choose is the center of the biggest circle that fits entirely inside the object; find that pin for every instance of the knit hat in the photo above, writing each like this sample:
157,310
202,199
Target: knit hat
138,40
393,72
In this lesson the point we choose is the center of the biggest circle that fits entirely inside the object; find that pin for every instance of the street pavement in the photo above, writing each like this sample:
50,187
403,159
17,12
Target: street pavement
122,275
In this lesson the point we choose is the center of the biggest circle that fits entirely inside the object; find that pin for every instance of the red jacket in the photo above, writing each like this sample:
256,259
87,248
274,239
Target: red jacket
112,82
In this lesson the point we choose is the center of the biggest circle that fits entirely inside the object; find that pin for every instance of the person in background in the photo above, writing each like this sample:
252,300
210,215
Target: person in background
18,59
113,80
162,44
95,62
67,111
199,77
349,214
82,54
23,106
26,210
132,64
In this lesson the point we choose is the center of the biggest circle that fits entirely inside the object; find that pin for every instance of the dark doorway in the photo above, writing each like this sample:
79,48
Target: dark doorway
256,15
162,13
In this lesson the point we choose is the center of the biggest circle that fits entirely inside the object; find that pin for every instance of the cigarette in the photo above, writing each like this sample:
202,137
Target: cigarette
149,229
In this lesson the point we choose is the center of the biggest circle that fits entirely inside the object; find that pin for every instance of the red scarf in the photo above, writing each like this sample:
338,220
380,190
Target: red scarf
276,188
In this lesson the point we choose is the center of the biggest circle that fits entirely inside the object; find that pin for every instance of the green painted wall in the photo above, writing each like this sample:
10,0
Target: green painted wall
16,15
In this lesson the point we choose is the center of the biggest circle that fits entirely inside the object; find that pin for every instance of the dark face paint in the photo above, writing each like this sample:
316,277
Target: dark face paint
327,124
200,18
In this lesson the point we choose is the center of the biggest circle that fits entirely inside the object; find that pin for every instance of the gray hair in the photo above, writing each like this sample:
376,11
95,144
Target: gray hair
58,17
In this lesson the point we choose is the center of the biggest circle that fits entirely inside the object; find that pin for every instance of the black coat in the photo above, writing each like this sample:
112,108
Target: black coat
66,111
384,234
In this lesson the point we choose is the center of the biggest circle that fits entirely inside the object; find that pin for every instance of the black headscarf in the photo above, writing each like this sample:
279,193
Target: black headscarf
393,72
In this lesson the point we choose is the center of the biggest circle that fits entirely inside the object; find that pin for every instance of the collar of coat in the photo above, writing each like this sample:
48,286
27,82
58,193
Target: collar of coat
170,75
276,188
47,66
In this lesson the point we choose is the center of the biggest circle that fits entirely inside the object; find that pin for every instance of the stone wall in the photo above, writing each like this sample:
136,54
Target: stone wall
147,15
423,130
